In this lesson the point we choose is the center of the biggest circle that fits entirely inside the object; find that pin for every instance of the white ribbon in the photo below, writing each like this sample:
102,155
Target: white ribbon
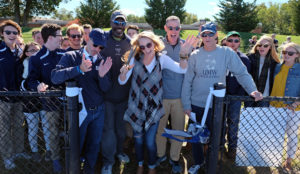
72,92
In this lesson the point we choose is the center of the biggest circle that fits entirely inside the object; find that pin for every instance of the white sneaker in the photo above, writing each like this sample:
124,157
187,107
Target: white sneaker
123,158
194,169
9,164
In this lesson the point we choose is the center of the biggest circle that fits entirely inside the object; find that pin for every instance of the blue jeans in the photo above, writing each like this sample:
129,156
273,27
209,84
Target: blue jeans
114,131
197,148
149,138
90,133
233,118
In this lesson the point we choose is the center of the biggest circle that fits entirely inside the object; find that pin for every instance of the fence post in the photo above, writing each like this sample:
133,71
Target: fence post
216,131
73,166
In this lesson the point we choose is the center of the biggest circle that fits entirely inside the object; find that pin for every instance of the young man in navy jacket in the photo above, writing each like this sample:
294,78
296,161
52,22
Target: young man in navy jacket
89,69
11,116
39,79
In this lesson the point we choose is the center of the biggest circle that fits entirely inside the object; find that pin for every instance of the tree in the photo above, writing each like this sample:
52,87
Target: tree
24,9
159,10
190,18
96,12
237,15
63,14
136,19
296,14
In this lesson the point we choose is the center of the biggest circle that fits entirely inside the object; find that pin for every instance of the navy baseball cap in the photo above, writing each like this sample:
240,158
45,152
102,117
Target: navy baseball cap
98,37
117,14
211,27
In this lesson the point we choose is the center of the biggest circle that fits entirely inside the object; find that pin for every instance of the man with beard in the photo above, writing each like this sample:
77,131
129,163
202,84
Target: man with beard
117,97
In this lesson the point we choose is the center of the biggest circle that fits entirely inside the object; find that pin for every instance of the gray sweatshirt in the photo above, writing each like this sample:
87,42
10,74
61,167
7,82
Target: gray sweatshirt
208,67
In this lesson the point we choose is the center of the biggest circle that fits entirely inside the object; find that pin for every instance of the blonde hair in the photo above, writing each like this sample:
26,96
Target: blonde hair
74,27
296,47
158,44
271,52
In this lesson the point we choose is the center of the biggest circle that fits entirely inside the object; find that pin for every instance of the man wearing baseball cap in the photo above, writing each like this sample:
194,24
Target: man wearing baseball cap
208,65
233,87
116,98
89,68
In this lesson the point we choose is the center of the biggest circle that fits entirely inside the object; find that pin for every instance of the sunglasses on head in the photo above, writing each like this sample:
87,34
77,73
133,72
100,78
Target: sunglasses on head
9,32
290,53
233,40
76,35
177,28
265,45
207,34
98,46
148,45
119,23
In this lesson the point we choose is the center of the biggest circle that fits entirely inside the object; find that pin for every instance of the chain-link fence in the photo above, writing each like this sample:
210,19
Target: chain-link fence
260,137
32,132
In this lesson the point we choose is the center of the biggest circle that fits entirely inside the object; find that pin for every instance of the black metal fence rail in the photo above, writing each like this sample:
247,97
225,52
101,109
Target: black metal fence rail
32,132
256,137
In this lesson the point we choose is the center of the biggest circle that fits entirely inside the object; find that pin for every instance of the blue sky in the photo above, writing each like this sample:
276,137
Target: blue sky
199,7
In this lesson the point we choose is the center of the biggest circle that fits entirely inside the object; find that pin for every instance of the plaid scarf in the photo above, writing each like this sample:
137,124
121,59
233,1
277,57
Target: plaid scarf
145,96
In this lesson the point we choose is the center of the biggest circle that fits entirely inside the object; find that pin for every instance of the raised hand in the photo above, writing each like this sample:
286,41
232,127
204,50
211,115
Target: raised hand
104,66
187,47
86,65
125,68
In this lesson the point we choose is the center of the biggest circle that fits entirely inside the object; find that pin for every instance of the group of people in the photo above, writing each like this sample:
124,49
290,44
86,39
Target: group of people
134,85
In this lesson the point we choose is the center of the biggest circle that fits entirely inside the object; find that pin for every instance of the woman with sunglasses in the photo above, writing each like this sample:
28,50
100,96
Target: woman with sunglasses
32,105
287,83
145,108
263,59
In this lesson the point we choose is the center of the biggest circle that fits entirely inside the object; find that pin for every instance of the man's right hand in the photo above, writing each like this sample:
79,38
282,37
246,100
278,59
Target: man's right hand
188,112
42,87
86,65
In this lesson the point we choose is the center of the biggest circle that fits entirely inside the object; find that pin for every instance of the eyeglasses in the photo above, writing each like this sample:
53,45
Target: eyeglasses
290,53
177,28
98,46
233,40
9,32
119,23
32,51
76,35
265,45
148,45
207,34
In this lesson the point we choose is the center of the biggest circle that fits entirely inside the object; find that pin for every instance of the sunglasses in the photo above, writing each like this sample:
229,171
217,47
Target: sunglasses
207,34
76,35
233,40
177,28
98,46
290,53
265,45
148,45
119,23
32,51
9,32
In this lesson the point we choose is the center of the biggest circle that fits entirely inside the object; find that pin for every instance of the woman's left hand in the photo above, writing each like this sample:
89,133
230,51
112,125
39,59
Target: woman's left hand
187,47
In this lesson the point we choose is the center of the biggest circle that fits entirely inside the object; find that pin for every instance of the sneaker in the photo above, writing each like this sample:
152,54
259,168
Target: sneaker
56,166
9,164
36,157
48,155
106,169
161,160
22,155
176,167
123,158
194,169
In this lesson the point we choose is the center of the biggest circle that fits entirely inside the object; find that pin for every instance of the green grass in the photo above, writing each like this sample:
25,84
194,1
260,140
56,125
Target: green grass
184,34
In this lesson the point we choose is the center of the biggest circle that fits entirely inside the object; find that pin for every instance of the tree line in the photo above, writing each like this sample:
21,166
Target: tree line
282,18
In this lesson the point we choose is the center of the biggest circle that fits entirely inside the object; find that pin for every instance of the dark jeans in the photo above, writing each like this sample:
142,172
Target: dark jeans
197,148
90,133
233,118
149,138
114,131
